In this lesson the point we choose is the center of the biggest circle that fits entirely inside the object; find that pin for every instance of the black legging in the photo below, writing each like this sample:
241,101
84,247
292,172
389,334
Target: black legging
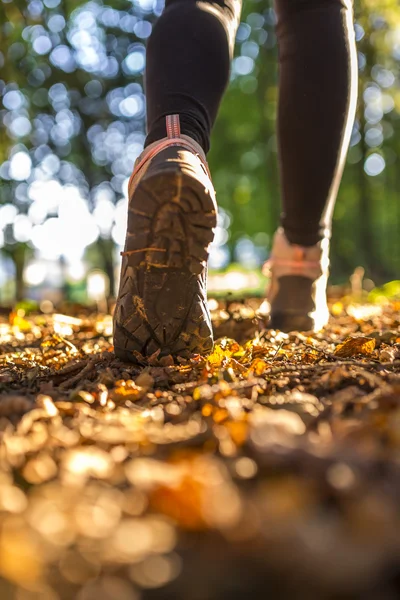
188,59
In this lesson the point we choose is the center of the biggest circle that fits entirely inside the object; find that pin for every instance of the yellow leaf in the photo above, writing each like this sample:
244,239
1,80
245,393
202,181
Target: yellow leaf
216,357
355,345
21,323
230,346
258,366
196,394
337,309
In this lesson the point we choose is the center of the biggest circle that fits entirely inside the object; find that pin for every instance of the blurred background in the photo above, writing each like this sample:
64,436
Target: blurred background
72,112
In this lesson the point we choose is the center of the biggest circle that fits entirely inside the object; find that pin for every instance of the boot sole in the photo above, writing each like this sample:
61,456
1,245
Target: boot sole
162,299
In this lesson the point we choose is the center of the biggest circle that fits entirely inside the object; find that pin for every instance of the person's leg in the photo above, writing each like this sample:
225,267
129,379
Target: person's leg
162,308
187,65
317,98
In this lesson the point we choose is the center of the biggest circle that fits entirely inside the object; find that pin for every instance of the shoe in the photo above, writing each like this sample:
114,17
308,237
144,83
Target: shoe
162,301
297,289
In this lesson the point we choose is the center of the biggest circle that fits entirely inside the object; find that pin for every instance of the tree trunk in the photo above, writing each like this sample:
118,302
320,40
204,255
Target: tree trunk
19,256
106,248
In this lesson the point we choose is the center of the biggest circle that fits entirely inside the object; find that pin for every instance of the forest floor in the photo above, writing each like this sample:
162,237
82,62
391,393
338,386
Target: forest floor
269,469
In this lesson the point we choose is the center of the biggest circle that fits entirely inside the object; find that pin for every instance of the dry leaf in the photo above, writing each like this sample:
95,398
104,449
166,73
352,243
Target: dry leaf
217,357
355,345
389,354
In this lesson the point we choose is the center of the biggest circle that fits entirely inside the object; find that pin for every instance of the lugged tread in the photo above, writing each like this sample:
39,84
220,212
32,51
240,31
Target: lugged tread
162,304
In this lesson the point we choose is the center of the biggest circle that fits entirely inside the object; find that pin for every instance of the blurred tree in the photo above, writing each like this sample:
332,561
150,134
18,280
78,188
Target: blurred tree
376,143
74,117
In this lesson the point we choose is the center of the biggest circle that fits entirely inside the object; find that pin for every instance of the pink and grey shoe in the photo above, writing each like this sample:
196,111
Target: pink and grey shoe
162,301
297,289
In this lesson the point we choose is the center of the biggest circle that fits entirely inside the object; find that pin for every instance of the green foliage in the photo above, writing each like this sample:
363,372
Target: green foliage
389,291
367,217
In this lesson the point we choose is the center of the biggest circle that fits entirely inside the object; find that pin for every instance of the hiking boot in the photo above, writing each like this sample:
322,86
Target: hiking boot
297,290
172,213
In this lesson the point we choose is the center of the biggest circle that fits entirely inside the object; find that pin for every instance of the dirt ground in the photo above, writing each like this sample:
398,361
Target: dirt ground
270,469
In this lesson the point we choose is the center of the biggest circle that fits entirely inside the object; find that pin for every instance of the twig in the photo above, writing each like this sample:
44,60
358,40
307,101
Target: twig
82,374
277,350
65,371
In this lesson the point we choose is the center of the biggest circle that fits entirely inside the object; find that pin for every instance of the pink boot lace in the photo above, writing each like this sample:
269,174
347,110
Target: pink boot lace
174,138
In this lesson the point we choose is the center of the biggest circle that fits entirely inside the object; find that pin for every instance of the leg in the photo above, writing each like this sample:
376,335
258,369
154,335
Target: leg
187,69
317,98
161,309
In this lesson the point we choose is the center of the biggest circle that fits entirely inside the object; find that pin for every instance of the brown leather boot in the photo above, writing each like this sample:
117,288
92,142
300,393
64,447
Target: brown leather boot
297,290
162,301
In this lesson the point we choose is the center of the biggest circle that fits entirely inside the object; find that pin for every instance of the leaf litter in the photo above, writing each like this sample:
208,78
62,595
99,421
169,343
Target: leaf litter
270,467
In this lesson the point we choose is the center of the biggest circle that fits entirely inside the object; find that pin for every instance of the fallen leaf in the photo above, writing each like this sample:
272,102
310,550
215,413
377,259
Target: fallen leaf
355,345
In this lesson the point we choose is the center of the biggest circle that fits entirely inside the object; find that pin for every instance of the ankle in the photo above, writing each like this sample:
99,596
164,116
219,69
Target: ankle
295,259
189,127
305,239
